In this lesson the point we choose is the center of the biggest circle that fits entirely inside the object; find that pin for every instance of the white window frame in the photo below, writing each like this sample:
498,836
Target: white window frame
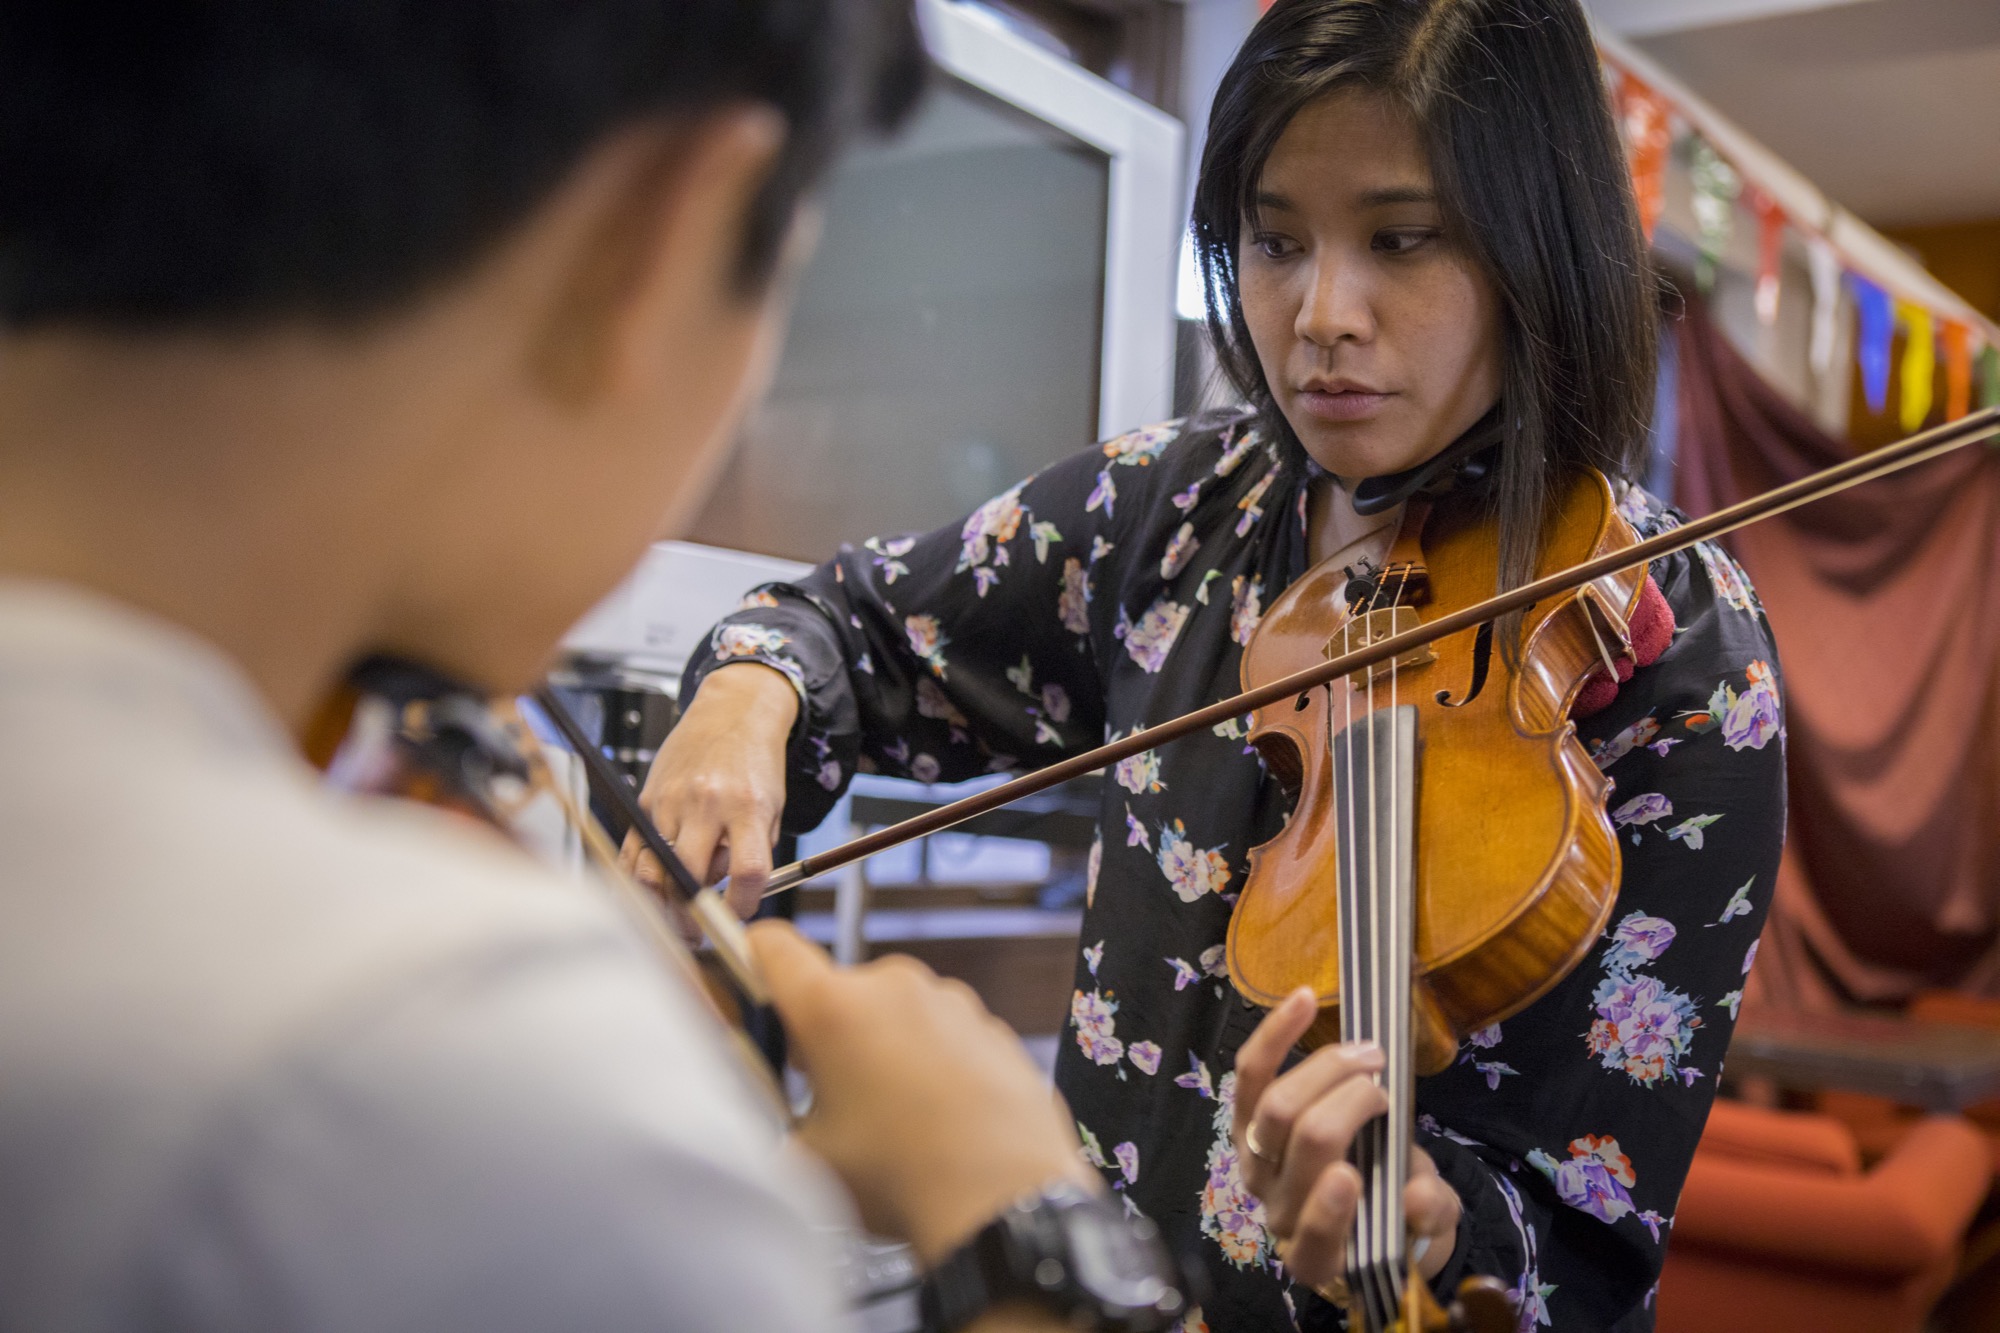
680,588
1143,222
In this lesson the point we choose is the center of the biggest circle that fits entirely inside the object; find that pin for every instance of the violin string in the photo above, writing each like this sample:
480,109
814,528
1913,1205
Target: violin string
1384,1016
1385,1196
1402,951
1372,1227
1396,978
1353,1019
1369,947
1379,1186
1385,965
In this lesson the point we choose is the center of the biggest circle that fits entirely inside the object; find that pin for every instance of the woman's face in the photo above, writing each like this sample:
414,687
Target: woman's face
1379,336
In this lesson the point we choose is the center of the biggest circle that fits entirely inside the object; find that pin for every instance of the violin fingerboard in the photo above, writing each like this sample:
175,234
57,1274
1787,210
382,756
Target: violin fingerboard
1374,761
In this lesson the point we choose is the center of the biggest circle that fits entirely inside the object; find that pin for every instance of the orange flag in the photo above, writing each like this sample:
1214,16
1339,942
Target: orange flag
1648,136
1957,340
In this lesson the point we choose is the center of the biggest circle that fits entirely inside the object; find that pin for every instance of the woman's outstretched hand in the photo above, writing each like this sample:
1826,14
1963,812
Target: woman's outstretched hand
717,786
1302,1123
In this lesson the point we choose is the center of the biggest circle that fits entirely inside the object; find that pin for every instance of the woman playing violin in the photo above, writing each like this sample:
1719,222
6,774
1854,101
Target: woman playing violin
1417,231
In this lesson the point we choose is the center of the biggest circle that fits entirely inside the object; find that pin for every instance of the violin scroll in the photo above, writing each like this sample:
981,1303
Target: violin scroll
1483,1305
1480,1305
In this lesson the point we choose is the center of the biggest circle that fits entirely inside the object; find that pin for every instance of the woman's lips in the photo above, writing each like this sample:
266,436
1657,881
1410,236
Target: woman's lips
1346,405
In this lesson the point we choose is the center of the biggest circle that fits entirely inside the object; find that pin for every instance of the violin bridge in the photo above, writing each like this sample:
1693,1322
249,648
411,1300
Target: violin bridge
1607,628
1371,627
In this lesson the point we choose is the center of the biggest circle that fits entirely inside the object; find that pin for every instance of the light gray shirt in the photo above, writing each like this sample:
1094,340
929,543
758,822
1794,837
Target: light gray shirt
272,1058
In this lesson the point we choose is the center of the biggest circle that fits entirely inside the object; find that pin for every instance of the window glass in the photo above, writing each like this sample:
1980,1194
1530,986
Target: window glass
946,340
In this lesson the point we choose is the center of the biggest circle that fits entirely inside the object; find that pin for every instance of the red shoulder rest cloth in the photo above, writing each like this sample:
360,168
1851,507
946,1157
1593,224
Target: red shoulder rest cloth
1652,629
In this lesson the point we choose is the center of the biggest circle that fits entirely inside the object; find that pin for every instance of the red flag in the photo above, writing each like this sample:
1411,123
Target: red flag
1770,253
1648,136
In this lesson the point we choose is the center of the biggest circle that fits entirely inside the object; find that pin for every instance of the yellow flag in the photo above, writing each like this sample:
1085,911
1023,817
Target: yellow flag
1919,363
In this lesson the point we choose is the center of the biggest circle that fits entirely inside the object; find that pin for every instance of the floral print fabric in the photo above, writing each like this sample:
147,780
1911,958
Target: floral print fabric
1116,590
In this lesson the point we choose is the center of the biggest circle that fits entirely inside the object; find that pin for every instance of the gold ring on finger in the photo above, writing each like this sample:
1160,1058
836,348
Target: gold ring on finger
1256,1148
1335,1291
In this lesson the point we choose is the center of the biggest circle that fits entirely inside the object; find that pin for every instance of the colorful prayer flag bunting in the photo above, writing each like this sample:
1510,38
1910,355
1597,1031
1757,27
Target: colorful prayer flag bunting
1647,121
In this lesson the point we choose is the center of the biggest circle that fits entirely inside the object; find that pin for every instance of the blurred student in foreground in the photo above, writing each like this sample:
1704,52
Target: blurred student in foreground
331,328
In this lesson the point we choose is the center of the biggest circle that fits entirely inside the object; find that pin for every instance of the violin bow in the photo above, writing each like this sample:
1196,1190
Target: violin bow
660,931
707,906
1866,467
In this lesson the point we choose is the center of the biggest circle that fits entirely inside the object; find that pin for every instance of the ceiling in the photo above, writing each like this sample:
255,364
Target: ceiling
1892,107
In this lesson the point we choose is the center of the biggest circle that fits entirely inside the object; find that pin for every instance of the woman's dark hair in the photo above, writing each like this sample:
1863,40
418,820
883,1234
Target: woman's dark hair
1526,161
230,162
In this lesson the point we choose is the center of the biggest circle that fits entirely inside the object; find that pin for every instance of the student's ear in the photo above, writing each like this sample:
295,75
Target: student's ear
659,267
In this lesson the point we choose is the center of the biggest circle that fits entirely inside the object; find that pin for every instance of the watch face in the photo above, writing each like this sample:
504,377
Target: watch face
1119,1261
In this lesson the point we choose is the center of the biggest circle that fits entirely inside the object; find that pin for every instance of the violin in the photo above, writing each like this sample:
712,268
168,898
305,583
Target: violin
398,729
1449,858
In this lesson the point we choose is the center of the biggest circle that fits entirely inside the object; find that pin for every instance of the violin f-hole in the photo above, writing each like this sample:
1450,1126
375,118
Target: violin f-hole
1482,659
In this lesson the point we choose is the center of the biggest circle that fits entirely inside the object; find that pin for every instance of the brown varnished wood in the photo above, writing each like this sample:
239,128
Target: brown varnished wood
1516,862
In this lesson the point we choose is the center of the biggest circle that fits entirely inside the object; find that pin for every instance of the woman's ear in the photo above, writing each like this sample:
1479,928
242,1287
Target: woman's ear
659,263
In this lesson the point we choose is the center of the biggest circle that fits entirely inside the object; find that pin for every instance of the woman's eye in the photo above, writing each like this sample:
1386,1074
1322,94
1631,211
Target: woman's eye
1272,247
1404,239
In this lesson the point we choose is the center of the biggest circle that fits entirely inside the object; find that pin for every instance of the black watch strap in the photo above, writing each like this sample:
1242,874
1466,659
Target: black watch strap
1073,1253
960,1289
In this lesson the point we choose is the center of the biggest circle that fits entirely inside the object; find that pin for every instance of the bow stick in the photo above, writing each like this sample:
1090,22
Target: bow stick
1829,481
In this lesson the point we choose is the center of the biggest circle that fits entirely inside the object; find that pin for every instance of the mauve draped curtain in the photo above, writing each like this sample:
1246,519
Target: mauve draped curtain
1885,602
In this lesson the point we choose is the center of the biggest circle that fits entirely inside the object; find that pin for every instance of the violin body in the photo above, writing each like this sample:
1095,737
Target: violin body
1514,861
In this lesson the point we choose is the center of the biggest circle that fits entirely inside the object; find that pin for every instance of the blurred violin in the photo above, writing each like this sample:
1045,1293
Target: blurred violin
398,729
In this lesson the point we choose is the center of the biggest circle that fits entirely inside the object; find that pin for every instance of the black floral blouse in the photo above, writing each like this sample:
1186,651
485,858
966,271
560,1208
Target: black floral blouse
1115,590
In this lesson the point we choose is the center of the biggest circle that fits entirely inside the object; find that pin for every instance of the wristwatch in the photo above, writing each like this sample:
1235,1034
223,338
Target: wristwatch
1073,1253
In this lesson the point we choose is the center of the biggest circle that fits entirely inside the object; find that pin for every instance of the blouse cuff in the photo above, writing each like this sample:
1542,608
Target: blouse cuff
784,666
794,638
1488,1242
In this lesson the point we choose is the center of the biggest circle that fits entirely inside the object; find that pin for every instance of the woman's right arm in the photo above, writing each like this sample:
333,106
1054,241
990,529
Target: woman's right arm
968,650
716,789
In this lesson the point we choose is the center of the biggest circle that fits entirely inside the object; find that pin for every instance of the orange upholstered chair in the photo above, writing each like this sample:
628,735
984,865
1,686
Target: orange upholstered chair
1879,1123
1780,1228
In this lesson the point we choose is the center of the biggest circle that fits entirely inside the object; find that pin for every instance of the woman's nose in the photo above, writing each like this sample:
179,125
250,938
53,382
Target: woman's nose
1335,305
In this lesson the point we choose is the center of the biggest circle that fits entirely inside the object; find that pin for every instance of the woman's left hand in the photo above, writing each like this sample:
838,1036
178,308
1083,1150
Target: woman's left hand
1301,1125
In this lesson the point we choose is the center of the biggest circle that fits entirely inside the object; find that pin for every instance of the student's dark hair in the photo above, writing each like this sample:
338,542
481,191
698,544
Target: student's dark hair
236,162
1512,110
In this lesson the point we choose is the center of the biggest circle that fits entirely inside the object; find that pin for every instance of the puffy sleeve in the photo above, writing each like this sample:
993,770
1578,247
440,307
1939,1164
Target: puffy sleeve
959,652
1568,1130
